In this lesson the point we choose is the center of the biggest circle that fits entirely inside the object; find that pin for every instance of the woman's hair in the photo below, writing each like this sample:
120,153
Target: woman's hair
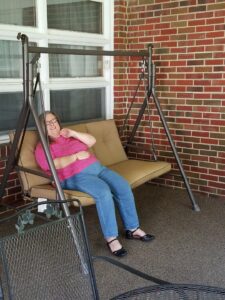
43,116
43,122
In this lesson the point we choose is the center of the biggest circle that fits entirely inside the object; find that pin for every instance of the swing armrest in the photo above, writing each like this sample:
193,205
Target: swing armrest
36,171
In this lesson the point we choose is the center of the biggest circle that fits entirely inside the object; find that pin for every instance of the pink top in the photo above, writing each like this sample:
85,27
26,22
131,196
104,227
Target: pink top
62,147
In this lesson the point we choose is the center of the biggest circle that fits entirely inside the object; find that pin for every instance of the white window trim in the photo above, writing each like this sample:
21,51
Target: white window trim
4,138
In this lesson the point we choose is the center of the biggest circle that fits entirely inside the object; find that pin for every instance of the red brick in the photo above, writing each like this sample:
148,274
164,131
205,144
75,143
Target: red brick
209,141
190,82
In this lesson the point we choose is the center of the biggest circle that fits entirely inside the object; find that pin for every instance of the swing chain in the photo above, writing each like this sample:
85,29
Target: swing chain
142,76
152,147
144,68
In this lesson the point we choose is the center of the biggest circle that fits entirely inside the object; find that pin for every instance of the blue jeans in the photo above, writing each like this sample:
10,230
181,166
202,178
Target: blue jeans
108,189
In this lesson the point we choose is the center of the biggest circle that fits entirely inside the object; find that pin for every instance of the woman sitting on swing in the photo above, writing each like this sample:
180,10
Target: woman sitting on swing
80,170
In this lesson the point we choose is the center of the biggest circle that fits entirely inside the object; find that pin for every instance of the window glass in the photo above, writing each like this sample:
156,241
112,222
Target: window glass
83,21
75,15
61,65
11,63
77,105
10,108
22,12
10,59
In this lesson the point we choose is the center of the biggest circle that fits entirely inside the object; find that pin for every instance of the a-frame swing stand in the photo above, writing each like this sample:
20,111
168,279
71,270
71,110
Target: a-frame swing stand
28,107
151,93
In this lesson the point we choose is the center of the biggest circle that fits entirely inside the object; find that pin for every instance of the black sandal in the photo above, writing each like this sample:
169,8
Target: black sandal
145,238
119,253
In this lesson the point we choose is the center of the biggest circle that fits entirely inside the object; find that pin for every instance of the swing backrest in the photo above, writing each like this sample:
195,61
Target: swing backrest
108,148
26,159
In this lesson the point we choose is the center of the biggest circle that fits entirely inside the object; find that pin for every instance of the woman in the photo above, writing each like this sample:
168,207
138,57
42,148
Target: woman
79,170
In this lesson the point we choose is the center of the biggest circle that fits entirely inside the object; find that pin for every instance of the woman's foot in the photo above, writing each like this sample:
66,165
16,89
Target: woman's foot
115,247
139,234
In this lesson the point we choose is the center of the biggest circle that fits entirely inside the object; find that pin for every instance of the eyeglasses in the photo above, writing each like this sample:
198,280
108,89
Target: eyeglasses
51,122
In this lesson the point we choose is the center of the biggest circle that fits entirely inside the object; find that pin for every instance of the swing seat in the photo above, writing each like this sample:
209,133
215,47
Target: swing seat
108,149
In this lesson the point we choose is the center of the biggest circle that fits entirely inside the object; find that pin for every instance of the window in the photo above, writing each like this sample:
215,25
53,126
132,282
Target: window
11,104
21,12
10,59
83,16
75,65
89,104
77,87
11,64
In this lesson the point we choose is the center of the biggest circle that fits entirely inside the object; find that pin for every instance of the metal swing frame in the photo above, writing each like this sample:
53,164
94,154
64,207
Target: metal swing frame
28,107
151,93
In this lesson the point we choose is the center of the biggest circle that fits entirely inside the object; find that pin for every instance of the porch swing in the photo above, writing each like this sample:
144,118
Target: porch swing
108,148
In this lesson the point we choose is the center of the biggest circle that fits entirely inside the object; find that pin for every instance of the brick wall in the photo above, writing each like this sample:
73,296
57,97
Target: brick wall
12,195
188,39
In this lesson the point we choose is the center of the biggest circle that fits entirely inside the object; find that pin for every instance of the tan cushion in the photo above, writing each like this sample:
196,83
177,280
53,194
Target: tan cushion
108,148
138,172
78,127
27,160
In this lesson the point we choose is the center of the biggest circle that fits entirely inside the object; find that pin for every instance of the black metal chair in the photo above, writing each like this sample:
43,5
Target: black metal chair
50,259
174,292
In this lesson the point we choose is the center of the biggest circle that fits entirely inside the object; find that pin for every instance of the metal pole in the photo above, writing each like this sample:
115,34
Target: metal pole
194,205
28,79
137,122
150,77
86,52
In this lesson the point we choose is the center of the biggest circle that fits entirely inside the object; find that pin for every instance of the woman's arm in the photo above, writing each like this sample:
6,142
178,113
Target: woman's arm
64,161
85,138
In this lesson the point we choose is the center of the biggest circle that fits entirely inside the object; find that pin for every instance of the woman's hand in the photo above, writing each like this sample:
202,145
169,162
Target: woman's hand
85,138
62,162
66,132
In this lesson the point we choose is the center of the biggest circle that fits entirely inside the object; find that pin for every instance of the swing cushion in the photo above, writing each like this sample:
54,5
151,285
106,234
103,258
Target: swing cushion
108,149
